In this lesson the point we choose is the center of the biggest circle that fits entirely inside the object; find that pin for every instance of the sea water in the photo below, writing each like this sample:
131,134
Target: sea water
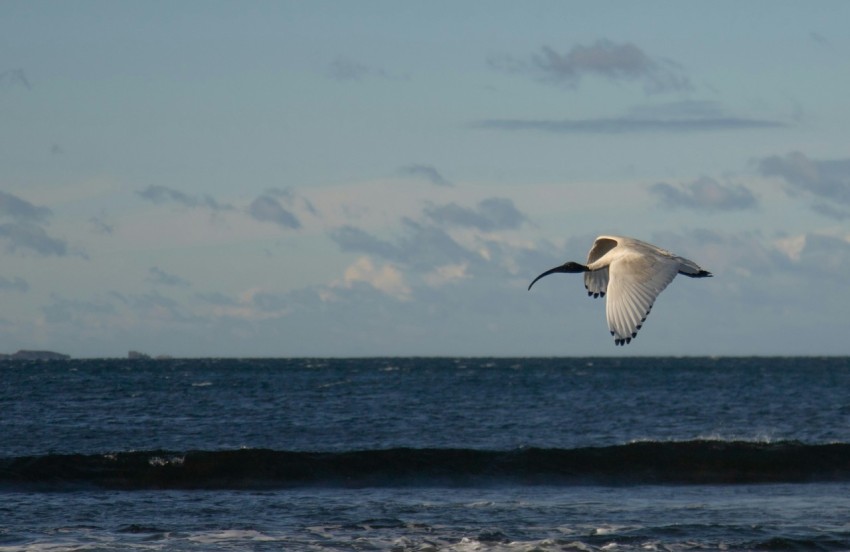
426,454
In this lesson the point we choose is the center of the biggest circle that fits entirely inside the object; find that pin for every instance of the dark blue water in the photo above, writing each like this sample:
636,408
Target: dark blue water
426,454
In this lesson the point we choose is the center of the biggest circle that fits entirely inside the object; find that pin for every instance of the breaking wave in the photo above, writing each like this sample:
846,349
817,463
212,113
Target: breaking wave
704,462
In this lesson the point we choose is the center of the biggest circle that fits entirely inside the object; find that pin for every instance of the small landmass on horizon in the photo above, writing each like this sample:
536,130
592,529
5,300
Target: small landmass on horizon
25,354
136,355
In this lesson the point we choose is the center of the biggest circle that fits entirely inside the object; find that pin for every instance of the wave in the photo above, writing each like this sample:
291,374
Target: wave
704,462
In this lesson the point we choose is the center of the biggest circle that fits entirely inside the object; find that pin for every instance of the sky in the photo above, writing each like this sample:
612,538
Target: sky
382,178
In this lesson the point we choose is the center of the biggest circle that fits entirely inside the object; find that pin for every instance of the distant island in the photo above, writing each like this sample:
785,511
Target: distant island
28,354
24,354
136,355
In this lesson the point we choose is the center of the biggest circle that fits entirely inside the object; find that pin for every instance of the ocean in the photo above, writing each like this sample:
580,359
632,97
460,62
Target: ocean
426,454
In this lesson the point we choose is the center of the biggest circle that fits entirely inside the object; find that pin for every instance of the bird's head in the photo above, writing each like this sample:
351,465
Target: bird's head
568,267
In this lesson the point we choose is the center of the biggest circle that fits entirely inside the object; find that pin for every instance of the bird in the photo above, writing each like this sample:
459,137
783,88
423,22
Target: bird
631,273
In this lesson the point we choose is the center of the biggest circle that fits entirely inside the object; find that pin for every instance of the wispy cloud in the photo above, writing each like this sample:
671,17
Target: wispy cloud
26,229
101,224
268,302
15,284
268,209
628,124
494,213
831,211
25,235
704,194
420,246
819,39
825,256
426,172
153,305
64,310
604,58
15,77
21,209
163,194
343,68
292,199
823,179
664,117
356,240
158,276
216,298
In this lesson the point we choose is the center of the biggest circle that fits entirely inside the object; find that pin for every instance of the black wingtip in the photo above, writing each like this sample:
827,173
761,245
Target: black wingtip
701,274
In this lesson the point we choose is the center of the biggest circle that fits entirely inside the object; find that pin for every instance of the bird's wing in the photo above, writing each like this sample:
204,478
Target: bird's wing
602,245
634,283
596,282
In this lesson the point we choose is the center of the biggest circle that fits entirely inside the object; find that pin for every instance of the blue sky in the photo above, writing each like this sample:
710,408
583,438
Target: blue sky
386,178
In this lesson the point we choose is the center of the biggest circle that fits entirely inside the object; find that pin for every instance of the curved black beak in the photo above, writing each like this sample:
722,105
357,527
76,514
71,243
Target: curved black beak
548,272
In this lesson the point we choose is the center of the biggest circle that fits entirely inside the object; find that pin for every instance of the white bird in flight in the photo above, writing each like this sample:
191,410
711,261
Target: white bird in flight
632,273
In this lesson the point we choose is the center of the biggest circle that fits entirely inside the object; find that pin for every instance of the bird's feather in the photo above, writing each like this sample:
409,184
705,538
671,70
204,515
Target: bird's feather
634,283
596,282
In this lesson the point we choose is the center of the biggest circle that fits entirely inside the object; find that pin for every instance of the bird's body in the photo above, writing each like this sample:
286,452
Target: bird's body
631,273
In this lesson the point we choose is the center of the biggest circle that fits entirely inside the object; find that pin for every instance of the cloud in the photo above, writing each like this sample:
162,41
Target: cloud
62,310
352,239
492,214
346,69
438,247
387,279
446,274
760,270
154,305
16,284
704,194
26,229
817,258
604,58
420,246
427,172
824,180
426,246
825,256
669,117
216,298
268,209
627,124
828,179
22,210
291,198
819,39
158,276
101,225
163,194
269,302
15,77
25,235
831,211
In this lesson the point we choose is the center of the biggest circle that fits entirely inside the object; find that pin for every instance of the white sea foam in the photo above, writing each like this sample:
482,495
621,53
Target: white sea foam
171,461
240,535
